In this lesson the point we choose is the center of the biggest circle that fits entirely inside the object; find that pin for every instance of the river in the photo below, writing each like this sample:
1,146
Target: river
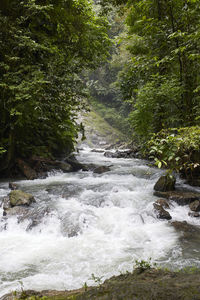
96,224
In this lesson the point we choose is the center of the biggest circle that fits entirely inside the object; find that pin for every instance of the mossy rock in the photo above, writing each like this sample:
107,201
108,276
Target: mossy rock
18,197
165,183
161,212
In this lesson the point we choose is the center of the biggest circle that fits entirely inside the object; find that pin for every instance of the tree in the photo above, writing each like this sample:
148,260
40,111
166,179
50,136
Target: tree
161,79
44,46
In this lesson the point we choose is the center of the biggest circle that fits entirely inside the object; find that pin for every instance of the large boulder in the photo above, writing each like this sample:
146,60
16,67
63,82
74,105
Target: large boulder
43,165
18,197
75,164
180,197
161,212
195,206
63,166
26,170
189,231
165,183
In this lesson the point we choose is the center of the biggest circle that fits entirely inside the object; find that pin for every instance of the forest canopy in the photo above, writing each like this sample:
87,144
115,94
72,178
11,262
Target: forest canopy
44,46
137,61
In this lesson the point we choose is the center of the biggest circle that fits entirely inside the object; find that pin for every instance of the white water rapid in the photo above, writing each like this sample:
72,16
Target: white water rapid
96,224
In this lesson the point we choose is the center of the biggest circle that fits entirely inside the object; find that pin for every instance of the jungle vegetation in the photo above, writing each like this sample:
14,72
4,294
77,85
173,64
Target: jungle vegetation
44,47
157,53
136,61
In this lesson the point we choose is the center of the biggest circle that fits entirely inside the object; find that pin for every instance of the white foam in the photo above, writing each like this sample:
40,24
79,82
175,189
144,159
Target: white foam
112,215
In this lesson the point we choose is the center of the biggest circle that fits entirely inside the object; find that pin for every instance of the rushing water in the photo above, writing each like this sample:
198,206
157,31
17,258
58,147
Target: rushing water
96,224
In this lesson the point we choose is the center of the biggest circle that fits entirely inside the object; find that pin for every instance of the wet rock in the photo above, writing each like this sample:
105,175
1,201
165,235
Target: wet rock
195,206
185,227
75,164
121,154
44,165
12,186
161,212
163,203
190,235
33,215
131,153
63,166
26,170
180,197
17,197
41,165
97,150
109,154
165,183
101,169
113,145
16,211
42,175
194,214
89,167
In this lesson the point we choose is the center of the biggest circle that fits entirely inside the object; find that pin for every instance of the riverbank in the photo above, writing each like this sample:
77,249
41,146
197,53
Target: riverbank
142,284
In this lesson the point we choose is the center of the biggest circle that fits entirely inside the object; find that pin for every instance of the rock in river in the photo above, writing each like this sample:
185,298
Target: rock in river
195,206
12,186
18,197
75,164
131,153
194,214
163,203
180,197
161,212
189,231
34,215
165,183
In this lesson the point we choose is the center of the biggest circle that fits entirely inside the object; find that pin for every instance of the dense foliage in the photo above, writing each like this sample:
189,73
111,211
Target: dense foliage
106,98
161,79
44,46
149,80
177,149
155,64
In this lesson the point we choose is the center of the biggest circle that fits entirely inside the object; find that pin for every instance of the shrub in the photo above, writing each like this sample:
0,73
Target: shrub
176,149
